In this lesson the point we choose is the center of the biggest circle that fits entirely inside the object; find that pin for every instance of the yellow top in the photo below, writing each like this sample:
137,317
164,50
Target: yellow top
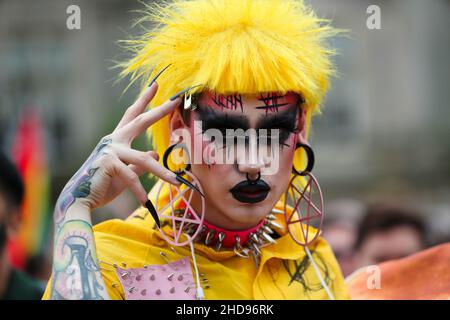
136,243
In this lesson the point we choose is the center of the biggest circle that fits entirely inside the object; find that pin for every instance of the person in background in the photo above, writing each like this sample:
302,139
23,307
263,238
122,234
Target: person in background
388,233
14,284
340,230
395,260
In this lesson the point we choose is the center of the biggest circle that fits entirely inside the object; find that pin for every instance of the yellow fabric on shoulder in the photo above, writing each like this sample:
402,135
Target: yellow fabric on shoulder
284,272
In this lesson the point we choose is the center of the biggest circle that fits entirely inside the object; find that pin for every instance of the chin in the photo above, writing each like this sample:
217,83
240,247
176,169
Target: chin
253,211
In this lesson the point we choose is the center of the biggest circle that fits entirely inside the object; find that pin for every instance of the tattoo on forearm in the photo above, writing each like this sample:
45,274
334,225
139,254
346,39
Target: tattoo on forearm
76,273
79,185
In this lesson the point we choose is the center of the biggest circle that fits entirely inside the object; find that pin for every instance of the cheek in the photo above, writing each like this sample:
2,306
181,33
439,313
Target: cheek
203,151
286,153
285,159
212,180
197,145
208,174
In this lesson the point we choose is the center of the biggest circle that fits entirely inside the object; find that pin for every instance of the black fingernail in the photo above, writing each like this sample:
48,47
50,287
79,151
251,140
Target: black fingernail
182,92
190,185
152,210
157,76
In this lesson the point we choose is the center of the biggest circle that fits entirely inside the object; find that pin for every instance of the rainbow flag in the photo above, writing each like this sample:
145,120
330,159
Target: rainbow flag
29,153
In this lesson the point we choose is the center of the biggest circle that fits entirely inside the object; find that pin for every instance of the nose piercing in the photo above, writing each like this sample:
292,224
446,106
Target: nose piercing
255,180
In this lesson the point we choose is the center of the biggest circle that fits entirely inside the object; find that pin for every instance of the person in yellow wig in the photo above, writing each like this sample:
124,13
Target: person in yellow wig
231,87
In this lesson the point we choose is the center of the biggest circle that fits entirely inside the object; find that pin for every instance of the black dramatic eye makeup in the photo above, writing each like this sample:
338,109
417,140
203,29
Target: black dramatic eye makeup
285,122
212,119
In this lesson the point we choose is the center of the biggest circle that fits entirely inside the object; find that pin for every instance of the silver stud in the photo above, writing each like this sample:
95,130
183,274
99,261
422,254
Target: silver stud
210,237
158,292
220,238
273,224
132,290
255,246
125,274
277,211
170,276
271,217
163,255
256,259
172,290
138,277
239,250
266,237
152,277
255,238
200,235
267,229
144,292
180,278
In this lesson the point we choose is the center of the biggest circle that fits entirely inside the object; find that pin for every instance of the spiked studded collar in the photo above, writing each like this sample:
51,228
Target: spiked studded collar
245,243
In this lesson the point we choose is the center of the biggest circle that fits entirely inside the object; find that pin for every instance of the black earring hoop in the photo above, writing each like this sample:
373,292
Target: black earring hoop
255,180
310,158
179,173
167,153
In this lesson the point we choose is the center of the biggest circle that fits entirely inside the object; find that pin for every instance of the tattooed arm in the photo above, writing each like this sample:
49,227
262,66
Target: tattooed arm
111,167
76,271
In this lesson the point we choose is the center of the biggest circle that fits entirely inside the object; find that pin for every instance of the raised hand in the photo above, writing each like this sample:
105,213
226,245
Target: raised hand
111,167
114,165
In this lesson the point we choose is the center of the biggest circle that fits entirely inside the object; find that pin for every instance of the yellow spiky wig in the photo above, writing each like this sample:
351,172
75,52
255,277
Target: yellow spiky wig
231,46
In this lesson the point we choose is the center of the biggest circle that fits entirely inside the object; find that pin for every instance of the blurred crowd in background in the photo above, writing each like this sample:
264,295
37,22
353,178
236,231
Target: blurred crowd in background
382,143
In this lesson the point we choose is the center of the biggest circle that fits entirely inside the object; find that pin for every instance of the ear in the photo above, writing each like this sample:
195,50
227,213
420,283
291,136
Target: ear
176,124
301,124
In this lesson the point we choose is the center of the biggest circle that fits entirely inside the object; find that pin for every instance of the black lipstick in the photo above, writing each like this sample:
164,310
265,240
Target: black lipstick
250,192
